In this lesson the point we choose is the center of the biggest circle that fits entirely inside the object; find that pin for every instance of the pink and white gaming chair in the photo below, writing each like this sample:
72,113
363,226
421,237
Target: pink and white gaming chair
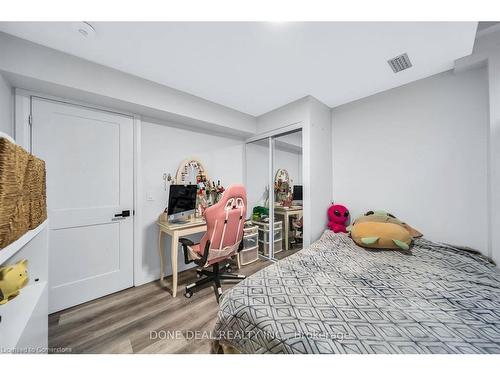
221,241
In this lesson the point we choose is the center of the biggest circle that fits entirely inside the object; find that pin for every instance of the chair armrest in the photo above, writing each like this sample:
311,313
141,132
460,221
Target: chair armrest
185,242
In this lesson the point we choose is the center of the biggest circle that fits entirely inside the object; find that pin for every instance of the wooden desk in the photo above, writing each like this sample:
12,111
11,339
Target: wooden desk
175,231
286,212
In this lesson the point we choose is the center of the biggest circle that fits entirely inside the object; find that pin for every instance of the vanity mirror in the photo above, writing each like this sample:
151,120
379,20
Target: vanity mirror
282,185
191,171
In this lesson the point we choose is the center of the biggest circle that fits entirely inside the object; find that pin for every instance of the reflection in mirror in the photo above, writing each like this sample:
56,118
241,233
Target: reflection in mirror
288,213
257,185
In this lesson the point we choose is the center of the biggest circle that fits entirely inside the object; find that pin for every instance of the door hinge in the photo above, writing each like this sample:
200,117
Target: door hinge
30,120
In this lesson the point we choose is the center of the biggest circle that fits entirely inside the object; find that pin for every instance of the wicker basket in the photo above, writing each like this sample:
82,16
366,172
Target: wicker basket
23,203
14,194
37,191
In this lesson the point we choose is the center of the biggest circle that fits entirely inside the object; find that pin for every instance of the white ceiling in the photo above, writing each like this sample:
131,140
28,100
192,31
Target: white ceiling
256,67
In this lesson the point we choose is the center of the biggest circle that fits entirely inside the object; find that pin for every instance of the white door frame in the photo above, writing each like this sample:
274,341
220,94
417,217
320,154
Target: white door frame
22,135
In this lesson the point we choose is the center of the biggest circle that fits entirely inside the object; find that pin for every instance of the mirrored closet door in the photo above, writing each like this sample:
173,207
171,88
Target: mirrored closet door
288,205
274,192
258,167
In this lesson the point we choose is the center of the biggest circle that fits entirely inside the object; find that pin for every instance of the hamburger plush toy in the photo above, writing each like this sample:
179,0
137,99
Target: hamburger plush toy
381,230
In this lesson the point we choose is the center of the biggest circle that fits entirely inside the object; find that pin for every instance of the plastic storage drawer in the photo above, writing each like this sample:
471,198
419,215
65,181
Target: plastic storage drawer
248,256
250,229
250,241
264,247
264,236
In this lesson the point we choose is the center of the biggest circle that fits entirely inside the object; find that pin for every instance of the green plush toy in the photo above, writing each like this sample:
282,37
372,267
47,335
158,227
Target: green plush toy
259,213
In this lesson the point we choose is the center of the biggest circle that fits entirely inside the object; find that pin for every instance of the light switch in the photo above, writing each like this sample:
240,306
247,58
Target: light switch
149,196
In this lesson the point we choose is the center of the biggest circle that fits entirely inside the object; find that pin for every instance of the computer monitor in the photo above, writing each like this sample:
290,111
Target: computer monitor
297,193
181,202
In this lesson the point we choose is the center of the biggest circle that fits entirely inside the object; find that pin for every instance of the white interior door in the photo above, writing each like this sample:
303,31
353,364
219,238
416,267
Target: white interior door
89,159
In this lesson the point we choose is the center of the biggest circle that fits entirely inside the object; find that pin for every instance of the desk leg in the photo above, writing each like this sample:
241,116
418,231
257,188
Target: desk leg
161,251
287,226
174,250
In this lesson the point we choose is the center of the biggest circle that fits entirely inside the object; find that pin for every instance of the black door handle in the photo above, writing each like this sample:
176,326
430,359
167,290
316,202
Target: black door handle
125,213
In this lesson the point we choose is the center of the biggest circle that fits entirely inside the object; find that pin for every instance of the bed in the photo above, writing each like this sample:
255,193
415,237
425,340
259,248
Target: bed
336,297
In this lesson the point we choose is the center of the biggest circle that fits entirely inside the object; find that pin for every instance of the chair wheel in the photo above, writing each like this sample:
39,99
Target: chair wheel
229,269
198,275
188,294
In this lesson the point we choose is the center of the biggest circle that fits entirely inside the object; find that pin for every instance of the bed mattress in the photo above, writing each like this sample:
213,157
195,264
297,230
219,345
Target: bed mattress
336,297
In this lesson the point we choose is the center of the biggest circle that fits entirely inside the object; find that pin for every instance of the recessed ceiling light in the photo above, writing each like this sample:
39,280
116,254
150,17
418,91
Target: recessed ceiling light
85,29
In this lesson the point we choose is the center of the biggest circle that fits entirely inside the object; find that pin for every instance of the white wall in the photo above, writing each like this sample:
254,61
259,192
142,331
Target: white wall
487,54
289,114
6,107
494,154
163,149
317,168
420,152
35,67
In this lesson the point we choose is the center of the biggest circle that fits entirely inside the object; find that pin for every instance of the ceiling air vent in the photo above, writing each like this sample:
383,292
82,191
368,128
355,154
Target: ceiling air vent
400,63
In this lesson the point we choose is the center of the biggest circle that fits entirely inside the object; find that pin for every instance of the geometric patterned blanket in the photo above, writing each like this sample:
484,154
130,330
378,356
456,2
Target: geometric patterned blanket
336,297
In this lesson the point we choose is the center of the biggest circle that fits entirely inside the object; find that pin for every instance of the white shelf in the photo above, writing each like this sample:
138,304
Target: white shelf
8,251
24,319
17,313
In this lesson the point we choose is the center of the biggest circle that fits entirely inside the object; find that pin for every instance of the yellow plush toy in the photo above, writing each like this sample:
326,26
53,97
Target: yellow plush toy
12,279
381,230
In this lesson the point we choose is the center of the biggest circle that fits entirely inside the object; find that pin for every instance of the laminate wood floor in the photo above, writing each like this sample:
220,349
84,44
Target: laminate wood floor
138,319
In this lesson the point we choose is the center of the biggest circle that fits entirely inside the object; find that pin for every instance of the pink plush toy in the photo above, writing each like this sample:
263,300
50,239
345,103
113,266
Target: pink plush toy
338,215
